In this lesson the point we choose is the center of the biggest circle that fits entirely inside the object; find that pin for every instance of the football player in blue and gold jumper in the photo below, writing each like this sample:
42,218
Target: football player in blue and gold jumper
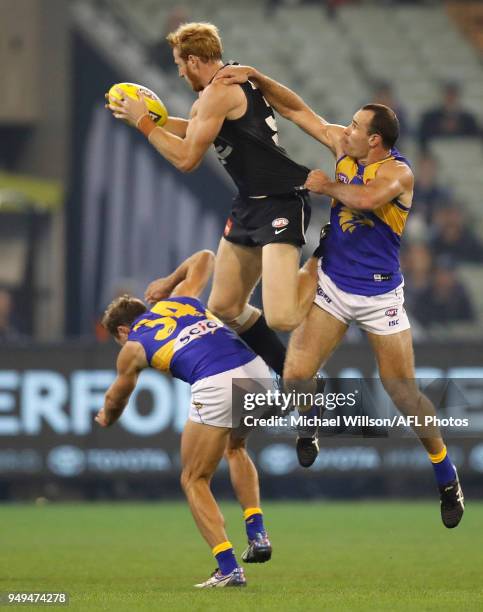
360,280
179,336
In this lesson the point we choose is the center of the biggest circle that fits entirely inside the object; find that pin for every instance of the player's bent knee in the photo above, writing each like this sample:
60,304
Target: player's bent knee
186,480
281,321
235,443
232,453
189,479
294,371
224,310
404,393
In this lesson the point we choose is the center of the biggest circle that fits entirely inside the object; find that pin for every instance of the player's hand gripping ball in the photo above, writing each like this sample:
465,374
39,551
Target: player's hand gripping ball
129,101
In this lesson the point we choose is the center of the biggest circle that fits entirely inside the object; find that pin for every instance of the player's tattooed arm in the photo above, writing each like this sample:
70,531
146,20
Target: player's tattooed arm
288,104
394,180
189,278
131,360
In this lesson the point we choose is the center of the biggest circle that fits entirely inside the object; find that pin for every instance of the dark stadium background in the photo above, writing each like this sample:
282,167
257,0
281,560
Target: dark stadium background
87,209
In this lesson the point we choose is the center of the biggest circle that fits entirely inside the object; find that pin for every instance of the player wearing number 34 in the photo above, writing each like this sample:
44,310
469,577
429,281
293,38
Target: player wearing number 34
179,336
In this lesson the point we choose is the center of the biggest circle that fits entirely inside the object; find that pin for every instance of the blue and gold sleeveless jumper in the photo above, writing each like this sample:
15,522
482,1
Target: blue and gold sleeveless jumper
362,248
181,337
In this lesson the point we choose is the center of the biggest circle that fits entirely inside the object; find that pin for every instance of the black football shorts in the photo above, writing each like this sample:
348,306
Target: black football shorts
260,221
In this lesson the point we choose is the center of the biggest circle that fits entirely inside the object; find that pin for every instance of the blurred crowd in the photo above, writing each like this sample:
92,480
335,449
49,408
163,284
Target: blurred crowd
331,6
440,238
441,241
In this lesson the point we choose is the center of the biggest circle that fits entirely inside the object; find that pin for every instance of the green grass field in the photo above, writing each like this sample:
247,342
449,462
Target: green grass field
327,556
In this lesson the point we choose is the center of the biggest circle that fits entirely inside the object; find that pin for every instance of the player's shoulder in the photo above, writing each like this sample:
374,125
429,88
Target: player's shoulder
396,168
131,357
221,90
220,99
226,95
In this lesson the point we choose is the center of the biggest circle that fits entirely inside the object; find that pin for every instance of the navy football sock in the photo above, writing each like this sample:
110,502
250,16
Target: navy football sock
444,469
253,522
265,342
225,556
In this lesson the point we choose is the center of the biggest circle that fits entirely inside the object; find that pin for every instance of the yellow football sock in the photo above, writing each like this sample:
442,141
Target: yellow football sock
438,457
250,512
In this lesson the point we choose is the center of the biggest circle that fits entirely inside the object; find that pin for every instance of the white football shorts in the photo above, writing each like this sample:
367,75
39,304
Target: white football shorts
381,314
211,397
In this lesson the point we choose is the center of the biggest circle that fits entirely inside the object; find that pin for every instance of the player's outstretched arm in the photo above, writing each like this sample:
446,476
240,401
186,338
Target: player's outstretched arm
202,129
393,180
173,125
189,278
288,104
212,108
199,270
176,126
130,361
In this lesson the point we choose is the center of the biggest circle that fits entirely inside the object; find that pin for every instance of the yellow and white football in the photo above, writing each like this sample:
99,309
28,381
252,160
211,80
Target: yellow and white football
157,110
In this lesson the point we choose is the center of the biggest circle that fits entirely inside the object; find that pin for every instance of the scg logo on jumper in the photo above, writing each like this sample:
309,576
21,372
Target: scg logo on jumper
196,330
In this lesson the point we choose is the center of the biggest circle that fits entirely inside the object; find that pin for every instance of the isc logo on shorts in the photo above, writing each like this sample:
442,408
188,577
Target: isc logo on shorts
323,295
280,222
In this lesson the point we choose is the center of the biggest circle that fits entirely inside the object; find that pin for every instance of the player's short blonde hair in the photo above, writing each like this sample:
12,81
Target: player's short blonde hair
200,39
